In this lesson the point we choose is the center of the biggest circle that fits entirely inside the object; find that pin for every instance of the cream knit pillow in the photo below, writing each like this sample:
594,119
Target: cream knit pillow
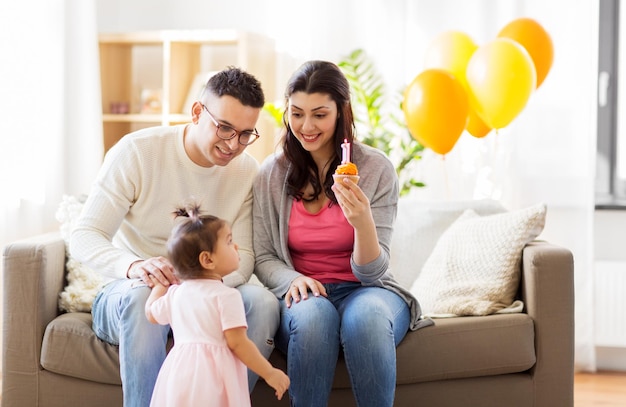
82,282
474,268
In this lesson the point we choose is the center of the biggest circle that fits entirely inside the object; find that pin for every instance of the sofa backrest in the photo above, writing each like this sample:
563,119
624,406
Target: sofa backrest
419,225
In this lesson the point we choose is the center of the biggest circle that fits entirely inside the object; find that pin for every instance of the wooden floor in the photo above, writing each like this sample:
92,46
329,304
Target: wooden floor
602,389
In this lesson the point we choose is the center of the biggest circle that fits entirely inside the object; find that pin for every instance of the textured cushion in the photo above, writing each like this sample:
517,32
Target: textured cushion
82,282
418,227
475,266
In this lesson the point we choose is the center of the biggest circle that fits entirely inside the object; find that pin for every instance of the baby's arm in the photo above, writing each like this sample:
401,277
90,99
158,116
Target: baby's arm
249,354
157,292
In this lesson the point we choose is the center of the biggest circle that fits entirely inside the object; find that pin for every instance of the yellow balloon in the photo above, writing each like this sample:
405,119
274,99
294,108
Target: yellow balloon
451,50
501,77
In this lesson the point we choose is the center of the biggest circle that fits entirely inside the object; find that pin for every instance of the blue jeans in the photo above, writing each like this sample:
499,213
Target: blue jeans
119,319
366,323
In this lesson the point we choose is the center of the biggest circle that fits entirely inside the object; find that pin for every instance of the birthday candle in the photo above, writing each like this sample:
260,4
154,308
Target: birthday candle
345,150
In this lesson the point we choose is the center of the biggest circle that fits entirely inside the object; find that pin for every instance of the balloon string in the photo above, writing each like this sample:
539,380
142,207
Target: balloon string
495,169
495,148
445,176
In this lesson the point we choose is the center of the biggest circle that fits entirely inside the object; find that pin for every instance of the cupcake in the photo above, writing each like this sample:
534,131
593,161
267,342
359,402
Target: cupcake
347,169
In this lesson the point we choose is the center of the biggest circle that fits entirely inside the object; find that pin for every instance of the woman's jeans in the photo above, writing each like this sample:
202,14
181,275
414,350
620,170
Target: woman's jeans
366,323
119,319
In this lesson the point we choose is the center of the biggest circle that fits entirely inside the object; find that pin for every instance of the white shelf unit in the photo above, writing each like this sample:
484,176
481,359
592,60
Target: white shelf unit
170,61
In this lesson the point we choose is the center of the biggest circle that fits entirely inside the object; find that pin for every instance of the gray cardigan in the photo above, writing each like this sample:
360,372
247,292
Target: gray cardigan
272,207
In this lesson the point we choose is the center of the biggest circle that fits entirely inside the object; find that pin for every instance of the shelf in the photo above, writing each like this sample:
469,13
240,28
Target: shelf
145,118
215,37
138,117
166,64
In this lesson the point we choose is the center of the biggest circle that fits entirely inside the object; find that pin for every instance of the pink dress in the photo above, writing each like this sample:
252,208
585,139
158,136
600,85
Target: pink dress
200,369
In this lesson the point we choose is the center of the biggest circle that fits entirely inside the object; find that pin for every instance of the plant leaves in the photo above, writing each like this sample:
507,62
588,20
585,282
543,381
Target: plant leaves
379,116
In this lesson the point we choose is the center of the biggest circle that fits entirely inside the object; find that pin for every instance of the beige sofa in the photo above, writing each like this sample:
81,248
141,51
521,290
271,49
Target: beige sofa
522,359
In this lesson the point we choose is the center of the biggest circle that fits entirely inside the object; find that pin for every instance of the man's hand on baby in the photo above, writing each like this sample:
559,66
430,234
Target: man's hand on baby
158,267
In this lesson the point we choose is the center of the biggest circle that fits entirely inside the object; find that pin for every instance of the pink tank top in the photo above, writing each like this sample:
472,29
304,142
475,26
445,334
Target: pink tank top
321,244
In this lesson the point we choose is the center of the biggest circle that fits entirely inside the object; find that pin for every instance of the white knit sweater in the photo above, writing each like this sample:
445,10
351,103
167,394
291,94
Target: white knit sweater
144,178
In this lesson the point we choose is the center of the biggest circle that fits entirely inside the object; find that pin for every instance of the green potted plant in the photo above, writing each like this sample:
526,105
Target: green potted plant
378,117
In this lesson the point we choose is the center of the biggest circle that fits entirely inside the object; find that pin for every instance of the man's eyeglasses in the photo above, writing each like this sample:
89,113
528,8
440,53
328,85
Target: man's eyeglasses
225,132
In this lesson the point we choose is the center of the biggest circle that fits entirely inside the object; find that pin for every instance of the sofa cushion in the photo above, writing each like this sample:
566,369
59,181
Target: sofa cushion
475,267
463,347
453,348
456,348
419,225
70,347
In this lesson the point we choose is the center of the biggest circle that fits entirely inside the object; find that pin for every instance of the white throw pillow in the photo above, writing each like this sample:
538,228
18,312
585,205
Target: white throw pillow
82,282
474,268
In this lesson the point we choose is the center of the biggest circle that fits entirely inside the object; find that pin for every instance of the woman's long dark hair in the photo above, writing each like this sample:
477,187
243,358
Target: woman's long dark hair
317,77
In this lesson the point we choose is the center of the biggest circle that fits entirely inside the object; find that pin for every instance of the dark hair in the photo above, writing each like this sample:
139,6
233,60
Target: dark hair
236,83
189,238
317,77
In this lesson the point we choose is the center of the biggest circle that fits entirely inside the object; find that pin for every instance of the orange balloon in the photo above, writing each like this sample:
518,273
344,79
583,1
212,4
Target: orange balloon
476,126
501,78
436,107
536,40
452,50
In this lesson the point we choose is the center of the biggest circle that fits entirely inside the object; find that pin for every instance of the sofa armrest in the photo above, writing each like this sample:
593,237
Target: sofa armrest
547,289
34,274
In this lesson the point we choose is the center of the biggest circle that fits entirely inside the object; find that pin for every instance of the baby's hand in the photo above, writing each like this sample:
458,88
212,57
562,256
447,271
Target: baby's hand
157,286
279,381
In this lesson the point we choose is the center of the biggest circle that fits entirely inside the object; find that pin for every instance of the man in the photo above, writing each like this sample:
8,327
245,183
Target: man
128,216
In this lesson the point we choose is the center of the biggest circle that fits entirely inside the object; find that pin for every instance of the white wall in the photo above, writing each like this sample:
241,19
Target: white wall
546,154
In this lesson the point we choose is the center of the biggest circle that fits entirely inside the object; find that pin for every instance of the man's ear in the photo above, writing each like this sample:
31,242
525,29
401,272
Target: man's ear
196,109
206,260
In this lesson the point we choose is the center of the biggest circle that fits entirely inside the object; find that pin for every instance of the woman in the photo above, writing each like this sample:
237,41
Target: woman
323,247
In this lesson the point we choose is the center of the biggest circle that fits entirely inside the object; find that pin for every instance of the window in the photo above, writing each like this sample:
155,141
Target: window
611,143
